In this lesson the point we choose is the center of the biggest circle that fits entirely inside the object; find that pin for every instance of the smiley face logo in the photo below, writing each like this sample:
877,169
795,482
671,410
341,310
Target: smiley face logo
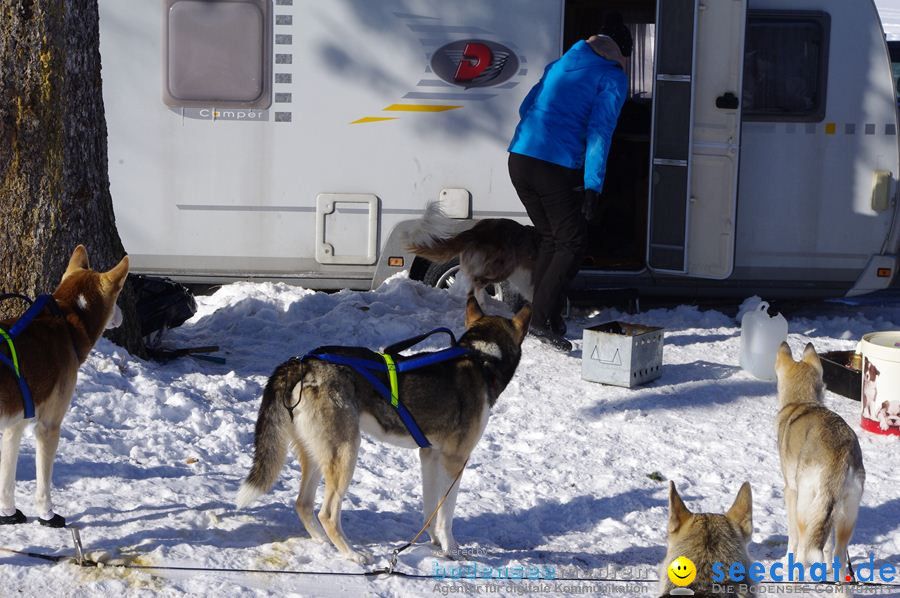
682,571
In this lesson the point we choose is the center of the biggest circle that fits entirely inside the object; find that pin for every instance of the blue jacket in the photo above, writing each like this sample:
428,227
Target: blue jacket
568,118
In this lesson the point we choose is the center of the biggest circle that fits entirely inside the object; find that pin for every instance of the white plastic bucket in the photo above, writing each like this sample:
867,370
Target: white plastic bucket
881,382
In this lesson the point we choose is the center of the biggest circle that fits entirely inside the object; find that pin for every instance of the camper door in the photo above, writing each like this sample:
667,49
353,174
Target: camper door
696,136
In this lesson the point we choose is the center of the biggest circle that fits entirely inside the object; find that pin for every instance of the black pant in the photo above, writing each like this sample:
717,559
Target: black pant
553,197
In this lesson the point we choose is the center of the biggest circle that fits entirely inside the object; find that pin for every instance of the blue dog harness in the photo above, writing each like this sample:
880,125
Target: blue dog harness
369,368
12,362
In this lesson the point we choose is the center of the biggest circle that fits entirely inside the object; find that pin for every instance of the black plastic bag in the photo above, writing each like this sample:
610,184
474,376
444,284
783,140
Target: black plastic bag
162,303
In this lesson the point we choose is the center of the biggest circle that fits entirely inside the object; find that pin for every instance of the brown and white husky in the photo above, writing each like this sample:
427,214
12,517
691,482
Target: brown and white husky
49,352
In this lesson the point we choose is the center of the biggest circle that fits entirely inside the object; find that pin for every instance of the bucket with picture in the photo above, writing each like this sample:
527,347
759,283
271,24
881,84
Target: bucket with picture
880,391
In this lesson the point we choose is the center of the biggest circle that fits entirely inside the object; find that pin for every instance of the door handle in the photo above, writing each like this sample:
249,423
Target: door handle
727,101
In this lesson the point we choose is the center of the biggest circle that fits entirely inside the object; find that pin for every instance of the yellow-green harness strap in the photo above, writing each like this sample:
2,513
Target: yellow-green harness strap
12,351
392,377
12,362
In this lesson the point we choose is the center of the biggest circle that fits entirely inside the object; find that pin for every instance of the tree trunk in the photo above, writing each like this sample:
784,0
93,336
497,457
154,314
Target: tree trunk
54,184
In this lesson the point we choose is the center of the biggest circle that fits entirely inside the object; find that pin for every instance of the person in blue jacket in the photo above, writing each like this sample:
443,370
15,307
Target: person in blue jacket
557,162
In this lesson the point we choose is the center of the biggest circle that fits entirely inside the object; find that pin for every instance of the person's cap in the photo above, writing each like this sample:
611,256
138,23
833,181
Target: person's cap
614,27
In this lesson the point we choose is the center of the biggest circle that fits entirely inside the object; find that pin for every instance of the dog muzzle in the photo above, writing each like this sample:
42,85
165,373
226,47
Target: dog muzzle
116,320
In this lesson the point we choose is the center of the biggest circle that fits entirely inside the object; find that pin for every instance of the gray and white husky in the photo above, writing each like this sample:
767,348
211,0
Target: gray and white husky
821,462
332,404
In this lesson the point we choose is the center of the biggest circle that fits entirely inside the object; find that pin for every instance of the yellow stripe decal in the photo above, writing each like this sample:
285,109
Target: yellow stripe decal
420,108
372,119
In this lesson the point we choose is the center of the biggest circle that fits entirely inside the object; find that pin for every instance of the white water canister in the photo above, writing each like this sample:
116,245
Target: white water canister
880,375
760,337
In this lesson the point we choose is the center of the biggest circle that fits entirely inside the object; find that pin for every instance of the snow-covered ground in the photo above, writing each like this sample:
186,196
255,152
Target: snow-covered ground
569,474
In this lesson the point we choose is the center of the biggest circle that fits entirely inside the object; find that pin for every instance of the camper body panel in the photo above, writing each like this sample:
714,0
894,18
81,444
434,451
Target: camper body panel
223,193
805,197
233,193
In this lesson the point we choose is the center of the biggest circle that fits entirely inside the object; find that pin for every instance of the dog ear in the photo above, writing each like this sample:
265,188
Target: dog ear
784,356
812,358
473,311
741,512
78,261
115,278
678,513
522,319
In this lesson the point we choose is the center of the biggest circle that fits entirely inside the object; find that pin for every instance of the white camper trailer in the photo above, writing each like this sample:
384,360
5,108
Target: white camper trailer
298,140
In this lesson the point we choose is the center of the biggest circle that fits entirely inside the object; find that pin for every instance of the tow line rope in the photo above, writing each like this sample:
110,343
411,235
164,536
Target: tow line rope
389,571
395,554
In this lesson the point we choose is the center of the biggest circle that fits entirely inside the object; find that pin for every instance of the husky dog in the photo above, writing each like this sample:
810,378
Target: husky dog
450,401
821,462
49,351
494,250
706,539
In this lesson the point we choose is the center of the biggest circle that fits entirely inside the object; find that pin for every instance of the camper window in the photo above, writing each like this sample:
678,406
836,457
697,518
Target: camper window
785,66
894,49
217,53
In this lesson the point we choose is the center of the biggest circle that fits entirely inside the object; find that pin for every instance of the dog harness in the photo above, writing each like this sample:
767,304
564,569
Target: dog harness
387,363
12,362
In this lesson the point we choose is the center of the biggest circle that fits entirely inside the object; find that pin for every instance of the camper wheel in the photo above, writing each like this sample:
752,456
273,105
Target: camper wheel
445,275
442,276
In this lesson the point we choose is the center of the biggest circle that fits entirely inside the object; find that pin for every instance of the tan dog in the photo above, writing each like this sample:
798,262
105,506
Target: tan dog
821,462
706,539
50,351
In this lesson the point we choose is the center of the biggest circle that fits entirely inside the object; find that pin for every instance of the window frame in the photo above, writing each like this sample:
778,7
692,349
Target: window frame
823,21
261,102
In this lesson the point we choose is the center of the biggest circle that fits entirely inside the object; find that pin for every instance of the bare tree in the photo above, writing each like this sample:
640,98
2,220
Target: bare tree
54,184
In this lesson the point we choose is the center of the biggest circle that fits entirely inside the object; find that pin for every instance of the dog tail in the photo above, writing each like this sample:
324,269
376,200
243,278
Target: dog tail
828,506
272,434
436,237
821,527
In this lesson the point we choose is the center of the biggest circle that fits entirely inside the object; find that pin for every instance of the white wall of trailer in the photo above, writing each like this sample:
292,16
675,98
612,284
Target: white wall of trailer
240,195
357,110
805,195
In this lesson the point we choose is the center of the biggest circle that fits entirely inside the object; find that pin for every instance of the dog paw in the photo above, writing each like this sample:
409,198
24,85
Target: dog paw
450,556
361,557
883,425
319,537
450,550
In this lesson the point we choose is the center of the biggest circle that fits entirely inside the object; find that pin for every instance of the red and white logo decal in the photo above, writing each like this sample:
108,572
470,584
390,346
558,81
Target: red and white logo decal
474,63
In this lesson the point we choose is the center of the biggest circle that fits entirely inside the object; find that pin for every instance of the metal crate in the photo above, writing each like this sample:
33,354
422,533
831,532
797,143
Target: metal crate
622,354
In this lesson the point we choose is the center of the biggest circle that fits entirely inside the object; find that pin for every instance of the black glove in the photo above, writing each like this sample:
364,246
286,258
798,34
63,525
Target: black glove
590,209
